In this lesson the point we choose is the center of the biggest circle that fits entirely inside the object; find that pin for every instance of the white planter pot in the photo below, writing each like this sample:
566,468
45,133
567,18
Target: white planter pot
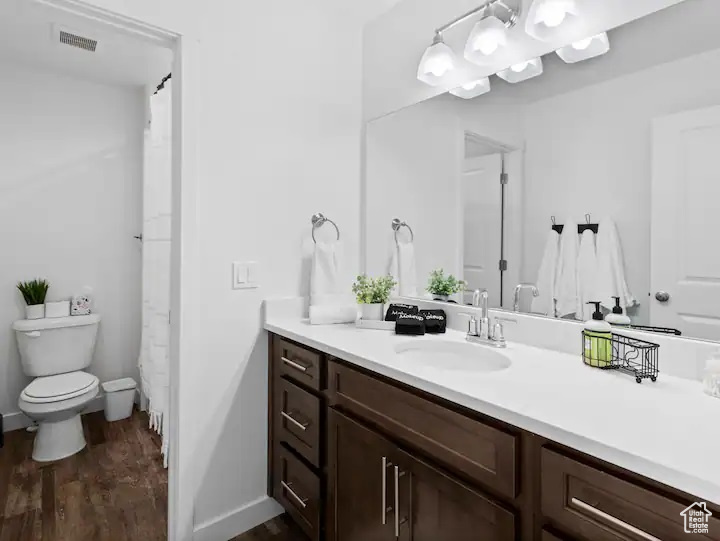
57,309
372,312
441,297
35,311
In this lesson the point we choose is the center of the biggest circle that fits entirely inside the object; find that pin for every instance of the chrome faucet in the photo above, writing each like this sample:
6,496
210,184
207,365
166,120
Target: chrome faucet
480,331
516,296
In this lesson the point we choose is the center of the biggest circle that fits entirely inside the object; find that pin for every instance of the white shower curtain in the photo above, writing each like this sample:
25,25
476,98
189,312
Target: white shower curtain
157,204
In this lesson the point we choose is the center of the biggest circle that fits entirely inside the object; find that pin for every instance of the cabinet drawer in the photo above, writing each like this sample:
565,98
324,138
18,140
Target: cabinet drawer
596,505
298,363
547,536
297,419
481,451
297,489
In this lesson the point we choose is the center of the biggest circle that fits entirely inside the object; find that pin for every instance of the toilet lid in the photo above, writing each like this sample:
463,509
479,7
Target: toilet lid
59,387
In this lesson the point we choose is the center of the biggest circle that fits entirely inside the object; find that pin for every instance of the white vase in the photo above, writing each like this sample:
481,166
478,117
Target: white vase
372,312
34,311
57,309
441,297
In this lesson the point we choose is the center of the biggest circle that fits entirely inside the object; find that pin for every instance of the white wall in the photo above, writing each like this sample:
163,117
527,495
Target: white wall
70,203
588,151
414,160
394,43
271,124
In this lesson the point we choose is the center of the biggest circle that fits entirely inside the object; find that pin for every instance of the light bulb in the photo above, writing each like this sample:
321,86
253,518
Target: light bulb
438,68
520,66
486,44
472,89
436,63
487,41
582,44
552,14
471,85
522,71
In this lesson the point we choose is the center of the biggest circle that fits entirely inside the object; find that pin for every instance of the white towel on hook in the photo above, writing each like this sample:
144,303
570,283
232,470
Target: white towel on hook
587,271
611,281
544,303
566,283
403,269
330,302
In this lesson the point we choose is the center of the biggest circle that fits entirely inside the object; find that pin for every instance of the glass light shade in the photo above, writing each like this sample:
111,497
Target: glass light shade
522,71
550,19
472,89
487,41
437,62
585,48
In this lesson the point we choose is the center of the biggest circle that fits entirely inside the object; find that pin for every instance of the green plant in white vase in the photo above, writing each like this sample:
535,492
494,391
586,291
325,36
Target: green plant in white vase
34,293
441,286
372,294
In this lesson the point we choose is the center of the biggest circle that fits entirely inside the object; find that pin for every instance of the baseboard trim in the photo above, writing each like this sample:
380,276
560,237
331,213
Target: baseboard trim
17,420
238,521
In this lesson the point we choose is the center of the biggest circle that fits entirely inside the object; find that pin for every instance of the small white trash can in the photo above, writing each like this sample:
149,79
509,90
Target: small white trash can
119,398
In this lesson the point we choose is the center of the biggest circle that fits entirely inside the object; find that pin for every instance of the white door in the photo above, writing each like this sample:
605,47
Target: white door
685,247
481,194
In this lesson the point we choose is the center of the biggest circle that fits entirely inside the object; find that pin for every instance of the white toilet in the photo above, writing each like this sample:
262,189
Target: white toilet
55,351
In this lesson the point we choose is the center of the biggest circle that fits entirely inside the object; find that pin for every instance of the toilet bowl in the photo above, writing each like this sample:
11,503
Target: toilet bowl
55,403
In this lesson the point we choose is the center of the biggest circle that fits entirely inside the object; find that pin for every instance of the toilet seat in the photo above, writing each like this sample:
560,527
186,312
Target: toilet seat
49,389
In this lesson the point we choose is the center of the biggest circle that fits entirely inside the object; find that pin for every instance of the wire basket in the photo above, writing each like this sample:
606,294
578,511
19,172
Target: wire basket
630,355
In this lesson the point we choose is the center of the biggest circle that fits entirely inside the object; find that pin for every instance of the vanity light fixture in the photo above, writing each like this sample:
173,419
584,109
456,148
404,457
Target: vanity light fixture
472,89
548,19
488,38
522,71
586,48
437,62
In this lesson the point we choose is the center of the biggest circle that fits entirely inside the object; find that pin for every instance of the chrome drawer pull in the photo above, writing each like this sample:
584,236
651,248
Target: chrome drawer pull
293,364
294,421
385,508
616,521
292,493
397,501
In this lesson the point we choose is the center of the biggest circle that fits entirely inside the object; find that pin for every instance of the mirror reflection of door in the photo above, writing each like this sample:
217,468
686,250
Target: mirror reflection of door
482,220
685,209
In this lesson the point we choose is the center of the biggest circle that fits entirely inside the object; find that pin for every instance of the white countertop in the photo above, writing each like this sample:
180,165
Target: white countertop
667,430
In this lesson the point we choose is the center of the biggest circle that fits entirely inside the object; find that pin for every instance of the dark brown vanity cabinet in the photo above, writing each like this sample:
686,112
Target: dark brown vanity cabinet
355,456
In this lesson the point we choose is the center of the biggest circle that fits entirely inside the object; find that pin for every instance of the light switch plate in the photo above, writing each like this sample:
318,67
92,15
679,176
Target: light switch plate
244,275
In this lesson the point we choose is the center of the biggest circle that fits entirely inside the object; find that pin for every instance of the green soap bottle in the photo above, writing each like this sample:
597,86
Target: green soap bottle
597,342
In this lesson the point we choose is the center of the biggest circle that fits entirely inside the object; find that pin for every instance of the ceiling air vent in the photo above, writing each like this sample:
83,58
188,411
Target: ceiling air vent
68,38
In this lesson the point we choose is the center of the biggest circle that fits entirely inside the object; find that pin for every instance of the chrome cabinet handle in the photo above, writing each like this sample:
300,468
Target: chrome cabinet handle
293,364
385,465
613,520
397,501
294,421
301,501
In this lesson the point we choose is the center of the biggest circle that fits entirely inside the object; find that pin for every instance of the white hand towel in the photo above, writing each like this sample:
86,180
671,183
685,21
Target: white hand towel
611,281
403,270
587,269
544,303
330,302
566,283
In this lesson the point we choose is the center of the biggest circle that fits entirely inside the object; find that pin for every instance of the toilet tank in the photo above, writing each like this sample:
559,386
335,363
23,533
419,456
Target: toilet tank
52,346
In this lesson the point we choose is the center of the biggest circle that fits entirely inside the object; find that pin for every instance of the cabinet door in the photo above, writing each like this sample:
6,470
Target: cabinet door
360,482
444,509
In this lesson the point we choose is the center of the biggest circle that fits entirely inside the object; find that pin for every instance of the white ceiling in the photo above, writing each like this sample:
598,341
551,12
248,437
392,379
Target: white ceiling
676,32
28,35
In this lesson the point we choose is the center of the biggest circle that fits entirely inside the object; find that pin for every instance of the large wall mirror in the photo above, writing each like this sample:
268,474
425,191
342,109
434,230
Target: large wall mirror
625,142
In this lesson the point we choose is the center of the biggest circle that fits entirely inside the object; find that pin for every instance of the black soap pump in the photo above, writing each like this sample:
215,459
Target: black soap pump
616,317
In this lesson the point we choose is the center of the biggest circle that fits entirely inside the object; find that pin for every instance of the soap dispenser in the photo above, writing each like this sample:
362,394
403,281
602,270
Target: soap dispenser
616,317
597,339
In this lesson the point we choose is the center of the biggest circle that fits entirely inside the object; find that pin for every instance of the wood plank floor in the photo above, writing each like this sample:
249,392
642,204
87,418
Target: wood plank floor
278,529
115,489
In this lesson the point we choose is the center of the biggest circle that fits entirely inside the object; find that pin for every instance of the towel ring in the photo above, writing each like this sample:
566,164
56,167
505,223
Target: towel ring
318,220
397,224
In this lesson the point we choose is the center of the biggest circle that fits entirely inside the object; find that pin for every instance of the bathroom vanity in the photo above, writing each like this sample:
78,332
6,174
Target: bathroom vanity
364,448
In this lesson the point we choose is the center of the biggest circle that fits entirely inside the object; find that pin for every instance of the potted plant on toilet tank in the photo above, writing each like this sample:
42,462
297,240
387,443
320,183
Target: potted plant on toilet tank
372,294
34,292
441,286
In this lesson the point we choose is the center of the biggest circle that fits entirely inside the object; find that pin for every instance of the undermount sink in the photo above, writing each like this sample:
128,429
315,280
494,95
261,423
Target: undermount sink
460,356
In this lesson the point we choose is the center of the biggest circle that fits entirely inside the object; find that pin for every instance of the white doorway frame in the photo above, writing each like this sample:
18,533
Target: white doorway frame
180,483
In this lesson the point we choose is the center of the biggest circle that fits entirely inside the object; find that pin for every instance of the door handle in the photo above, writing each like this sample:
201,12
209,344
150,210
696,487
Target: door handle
613,520
301,426
293,364
662,296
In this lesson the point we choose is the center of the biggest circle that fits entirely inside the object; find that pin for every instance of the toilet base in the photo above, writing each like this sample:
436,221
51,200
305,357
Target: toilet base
57,440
